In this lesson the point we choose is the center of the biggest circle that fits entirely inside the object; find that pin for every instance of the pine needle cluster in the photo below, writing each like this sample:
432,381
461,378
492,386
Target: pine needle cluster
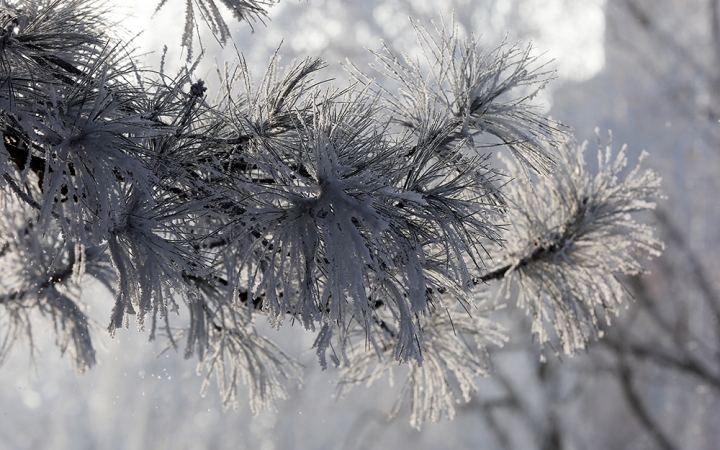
371,214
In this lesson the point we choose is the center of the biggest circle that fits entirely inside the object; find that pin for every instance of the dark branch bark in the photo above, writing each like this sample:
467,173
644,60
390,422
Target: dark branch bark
696,267
715,22
636,405
682,364
537,254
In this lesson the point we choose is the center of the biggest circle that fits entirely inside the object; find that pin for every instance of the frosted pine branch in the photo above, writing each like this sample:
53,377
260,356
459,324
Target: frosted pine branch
368,213
458,86
453,356
569,236
41,274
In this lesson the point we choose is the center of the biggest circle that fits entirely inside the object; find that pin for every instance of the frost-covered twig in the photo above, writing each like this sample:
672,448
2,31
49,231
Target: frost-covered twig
454,356
471,92
569,237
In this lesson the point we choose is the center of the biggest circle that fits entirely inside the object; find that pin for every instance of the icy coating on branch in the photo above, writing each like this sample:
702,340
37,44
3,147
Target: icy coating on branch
570,235
370,213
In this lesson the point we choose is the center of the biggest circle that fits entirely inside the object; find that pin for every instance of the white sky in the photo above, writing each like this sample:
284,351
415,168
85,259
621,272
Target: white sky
570,32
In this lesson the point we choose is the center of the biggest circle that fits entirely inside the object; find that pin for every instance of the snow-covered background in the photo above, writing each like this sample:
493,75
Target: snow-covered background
135,400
